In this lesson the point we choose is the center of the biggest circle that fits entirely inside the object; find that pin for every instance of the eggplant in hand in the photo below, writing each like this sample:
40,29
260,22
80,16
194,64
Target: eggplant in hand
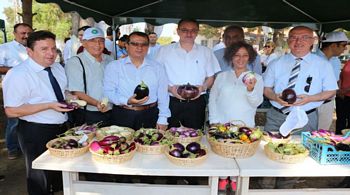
141,91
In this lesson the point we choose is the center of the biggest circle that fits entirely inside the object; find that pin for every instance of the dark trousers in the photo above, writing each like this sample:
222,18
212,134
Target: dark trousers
188,113
343,113
134,119
32,139
81,116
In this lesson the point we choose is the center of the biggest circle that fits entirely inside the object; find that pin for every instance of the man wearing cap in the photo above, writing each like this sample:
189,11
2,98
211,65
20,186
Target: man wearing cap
308,75
12,54
124,75
333,45
32,92
73,44
233,34
85,78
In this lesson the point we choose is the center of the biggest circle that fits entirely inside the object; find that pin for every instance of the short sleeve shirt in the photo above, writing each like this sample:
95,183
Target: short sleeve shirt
184,67
313,66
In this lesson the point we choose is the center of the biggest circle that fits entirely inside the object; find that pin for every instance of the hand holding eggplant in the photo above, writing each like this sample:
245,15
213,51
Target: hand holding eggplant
173,90
101,107
251,84
133,101
59,107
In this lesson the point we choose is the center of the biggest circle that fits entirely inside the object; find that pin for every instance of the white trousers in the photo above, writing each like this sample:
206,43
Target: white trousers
325,115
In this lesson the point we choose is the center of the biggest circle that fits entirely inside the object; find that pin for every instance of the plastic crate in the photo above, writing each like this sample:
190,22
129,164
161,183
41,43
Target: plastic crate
325,154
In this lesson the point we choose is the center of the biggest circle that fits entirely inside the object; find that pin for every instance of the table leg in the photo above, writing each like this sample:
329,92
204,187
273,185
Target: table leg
213,183
243,186
68,179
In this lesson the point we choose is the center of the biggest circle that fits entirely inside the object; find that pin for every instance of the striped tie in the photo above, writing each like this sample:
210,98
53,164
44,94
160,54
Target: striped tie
292,80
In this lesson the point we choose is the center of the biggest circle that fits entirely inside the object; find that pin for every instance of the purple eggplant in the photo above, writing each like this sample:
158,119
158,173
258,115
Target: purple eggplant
141,91
193,147
176,153
179,147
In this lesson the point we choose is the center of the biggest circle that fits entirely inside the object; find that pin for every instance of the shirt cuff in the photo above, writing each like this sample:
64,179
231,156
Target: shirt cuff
123,101
162,120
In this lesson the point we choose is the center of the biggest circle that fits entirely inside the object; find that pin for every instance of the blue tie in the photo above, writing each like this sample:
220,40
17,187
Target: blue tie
55,85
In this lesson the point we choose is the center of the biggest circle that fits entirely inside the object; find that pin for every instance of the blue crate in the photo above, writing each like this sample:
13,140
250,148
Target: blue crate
325,154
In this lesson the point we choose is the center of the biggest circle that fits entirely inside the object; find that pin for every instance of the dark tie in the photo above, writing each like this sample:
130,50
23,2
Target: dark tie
293,79
55,85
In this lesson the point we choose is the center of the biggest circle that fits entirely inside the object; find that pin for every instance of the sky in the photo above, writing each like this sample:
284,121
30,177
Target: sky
3,4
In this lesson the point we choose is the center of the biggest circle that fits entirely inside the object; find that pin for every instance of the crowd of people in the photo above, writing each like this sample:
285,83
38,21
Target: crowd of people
36,86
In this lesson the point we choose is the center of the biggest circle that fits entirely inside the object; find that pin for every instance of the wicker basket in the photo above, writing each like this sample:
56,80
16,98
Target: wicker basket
230,150
285,158
100,135
186,162
282,140
66,153
186,140
90,135
147,149
113,159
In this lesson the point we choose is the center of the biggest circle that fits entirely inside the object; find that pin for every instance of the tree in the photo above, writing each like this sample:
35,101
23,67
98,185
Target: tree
48,17
209,31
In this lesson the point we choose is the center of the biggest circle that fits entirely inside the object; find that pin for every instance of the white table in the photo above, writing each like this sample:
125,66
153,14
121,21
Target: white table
141,164
261,166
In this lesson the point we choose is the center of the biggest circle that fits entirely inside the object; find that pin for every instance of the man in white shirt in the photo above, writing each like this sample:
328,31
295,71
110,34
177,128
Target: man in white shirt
153,45
73,44
109,45
32,92
187,62
333,45
12,54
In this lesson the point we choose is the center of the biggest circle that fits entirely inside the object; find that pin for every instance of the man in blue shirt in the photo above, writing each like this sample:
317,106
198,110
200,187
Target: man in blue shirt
313,83
122,77
233,34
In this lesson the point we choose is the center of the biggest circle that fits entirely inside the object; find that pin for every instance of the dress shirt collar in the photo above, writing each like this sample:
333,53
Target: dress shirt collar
35,66
178,46
18,44
144,63
307,58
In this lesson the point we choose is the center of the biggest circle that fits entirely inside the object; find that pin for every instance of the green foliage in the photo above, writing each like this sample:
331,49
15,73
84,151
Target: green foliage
48,17
208,31
164,40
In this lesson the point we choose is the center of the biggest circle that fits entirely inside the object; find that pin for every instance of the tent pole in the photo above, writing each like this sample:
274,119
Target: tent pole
301,11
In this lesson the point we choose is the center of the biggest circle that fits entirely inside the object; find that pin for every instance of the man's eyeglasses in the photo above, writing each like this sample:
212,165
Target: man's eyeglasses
308,81
301,38
135,44
192,31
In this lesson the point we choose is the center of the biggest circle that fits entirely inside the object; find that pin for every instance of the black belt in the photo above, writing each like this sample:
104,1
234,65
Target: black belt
172,98
280,111
44,124
138,108
326,101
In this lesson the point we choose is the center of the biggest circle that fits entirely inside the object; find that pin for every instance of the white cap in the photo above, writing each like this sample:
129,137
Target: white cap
335,37
92,33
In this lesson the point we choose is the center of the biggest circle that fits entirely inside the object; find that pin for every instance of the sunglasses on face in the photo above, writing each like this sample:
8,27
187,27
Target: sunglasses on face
267,46
308,82
136,44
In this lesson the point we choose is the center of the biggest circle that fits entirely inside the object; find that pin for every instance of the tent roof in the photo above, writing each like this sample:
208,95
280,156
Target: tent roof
273,13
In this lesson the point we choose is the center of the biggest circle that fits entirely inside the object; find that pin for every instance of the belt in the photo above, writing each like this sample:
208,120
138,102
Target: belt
307,112
326,101
139,108
44,124
172,98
